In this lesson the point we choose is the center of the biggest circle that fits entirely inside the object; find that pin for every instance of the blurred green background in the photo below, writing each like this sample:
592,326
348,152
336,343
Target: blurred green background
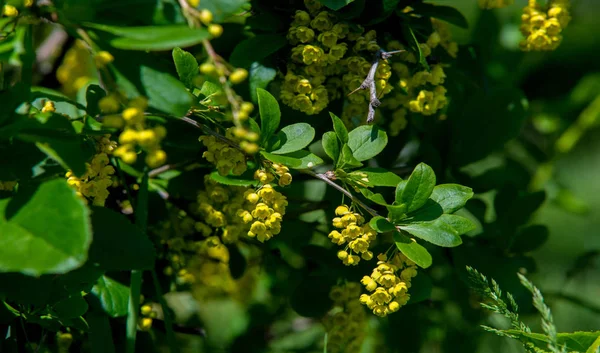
550,80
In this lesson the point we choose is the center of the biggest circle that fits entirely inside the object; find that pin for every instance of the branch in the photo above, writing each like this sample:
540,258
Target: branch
193,17
330,182
369,81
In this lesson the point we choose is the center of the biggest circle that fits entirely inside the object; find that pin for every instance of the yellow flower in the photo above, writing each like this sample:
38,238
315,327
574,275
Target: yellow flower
238,76
10,11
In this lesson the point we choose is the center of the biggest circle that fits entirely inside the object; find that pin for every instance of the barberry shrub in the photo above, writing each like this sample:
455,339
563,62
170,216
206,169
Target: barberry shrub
267,175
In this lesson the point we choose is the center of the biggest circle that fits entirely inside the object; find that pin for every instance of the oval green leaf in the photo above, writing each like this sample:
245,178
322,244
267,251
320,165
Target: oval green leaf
418,188
331,146
381,225
451,197
112,296
165,92
294,137
270,115
339,128
186,66
367,141
413,250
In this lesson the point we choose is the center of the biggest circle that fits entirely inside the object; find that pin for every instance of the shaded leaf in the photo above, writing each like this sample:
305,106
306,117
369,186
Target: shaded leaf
44,230
259,77
152,37
347,159
118,244
281,159
256,48
445,13
381,225
165,92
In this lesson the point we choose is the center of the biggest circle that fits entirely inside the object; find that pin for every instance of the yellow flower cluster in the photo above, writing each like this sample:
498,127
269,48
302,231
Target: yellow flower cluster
225,157
542,28
279,170
76,69
201,264
321,65
264,212
7,185
389,291
135,133
355,233
346,324
494,4
10,11
148,314
93,185
219,206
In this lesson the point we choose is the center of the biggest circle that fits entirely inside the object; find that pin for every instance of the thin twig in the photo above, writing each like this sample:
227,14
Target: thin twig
193,17
210,131
369,81
326,179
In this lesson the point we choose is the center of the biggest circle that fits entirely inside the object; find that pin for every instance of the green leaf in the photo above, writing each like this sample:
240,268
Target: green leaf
232,180
294,137
367,141
112,296
418,188
461,224
149,38
71,307
270,115
529,238
413,250
380,177
444,13
347,159
576,341
100,335
223,9
259,77
474,138
381,225
186,66
414,44
420,288
339,128
44,230
331,146
119,245
165,92
335,4
440,232
56,138
451,197
288,161
209,89
256,49
377,198
396,212
307,159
